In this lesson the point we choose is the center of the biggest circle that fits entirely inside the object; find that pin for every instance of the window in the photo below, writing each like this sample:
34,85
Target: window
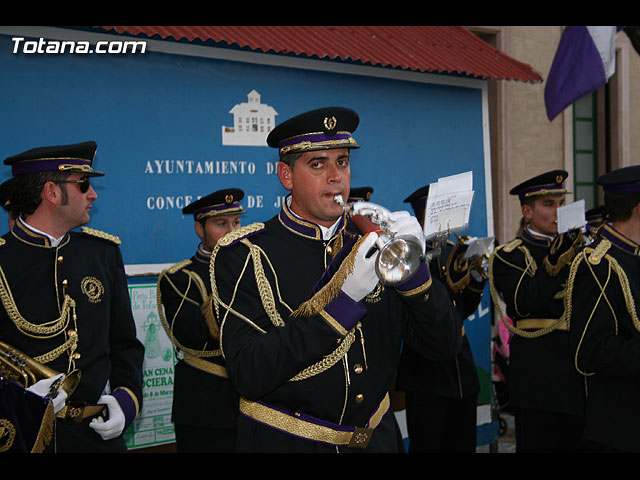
585,150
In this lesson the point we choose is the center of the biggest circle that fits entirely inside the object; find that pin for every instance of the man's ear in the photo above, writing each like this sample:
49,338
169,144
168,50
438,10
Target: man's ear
527,212
284,174
50,193
199,229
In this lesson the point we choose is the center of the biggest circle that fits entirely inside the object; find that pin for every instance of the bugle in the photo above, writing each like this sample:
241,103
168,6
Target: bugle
399,256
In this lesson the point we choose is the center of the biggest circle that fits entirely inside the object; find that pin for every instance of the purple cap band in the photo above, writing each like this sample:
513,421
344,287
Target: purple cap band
622,188
233,207
46,165
314,138
545,188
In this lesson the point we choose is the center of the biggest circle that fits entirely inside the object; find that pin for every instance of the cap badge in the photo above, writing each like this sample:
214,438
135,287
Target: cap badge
228,198
330,123
559,179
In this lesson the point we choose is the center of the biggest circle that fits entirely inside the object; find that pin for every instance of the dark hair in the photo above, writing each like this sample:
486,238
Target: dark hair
619,206
25,198
529,200
290,158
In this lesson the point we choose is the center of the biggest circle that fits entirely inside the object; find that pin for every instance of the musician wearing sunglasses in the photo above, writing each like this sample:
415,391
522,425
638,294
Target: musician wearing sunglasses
205,404
65,296
310,333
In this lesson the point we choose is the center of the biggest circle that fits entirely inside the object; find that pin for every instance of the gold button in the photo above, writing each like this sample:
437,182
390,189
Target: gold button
65,282
76,356
358,368
72,333
60,259
359,398
329,249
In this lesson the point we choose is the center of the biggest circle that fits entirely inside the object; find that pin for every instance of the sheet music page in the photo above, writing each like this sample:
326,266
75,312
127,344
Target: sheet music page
479,246
449,204
571,216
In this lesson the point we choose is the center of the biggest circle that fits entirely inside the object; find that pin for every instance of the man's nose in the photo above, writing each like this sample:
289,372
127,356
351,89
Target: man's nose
333,173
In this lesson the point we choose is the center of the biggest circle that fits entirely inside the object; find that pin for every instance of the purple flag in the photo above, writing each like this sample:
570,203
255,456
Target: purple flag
584,62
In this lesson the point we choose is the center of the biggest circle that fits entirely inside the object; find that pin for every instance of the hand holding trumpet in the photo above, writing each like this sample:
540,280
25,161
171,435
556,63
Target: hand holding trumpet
399,240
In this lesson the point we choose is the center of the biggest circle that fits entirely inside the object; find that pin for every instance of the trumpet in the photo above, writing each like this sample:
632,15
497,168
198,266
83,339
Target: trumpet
26,371
399,256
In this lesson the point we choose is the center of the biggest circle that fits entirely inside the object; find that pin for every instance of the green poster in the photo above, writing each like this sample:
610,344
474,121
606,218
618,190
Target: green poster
153,425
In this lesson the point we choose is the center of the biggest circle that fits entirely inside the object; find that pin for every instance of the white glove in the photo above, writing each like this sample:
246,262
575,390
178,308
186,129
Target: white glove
363,279
43,388
403,223
114,426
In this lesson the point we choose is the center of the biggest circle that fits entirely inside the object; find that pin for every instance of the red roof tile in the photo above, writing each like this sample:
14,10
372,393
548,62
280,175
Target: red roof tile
435,49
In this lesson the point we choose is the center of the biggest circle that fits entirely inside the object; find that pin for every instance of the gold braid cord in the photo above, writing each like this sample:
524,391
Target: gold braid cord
268,299
44,330
228,239
329,360
530,270
459,264
591,257
168,328
564,259
330,291
264,287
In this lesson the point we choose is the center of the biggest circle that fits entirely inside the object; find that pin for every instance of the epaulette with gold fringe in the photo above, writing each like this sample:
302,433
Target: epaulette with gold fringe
103,235
512,245
596,254
178,266
240,233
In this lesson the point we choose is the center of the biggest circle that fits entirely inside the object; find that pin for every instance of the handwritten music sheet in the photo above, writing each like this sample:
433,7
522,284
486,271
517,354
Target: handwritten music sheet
449,204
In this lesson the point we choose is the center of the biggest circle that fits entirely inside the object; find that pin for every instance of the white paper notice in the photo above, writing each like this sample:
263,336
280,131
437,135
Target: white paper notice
449,204
571,216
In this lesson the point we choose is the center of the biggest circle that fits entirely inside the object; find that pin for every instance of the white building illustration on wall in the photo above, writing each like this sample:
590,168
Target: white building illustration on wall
252,122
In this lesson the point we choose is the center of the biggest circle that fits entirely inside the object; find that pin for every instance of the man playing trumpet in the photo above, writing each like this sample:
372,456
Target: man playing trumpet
310,334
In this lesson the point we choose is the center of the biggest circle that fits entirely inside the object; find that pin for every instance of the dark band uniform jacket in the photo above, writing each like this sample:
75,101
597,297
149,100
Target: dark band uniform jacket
314,376
529,274
456,379
68,307
602,306
203,396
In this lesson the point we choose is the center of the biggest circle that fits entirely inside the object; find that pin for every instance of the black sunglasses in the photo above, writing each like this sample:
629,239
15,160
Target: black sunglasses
84,183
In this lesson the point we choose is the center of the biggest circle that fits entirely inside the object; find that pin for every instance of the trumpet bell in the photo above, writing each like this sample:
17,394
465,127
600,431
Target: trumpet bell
70,382
398,260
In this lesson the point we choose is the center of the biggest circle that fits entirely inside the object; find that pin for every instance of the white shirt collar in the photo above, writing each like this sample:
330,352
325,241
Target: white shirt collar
537,234
54,241
327,232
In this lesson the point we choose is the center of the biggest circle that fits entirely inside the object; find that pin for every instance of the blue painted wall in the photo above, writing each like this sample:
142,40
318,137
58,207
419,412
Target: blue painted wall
156,107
